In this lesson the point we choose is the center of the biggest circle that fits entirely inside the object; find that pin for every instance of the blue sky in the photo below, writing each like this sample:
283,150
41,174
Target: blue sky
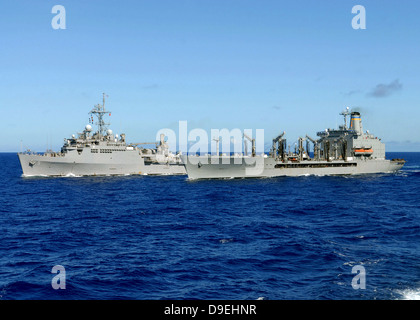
268,64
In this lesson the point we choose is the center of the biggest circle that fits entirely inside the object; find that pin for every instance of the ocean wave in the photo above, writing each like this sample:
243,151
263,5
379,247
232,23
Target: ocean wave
22,290
409,294
226,240
412,173
72,175
160,237
34,176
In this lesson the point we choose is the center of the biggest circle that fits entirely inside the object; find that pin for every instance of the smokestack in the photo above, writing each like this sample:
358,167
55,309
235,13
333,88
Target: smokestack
356,122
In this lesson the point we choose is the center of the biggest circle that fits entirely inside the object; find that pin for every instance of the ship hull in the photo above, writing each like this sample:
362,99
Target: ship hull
79,165
165,169
94,165
254,167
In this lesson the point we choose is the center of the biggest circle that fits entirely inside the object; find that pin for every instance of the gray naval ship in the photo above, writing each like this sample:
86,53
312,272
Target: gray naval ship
342,151
102,153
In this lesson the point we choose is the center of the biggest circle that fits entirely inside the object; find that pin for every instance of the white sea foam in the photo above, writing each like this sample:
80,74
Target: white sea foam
69,175
409,294
226,240
72,175
350,263
34,175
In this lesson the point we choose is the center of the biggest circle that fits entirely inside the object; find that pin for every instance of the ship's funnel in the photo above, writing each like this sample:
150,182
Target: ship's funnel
356,122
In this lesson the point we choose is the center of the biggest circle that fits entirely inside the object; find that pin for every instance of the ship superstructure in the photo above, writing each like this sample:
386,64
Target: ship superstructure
343,151
159,160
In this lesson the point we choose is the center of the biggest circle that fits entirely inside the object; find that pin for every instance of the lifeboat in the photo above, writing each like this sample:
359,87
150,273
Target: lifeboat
363,151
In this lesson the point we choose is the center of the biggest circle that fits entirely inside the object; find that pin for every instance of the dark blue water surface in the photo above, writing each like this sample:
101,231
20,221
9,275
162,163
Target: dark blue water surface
143,237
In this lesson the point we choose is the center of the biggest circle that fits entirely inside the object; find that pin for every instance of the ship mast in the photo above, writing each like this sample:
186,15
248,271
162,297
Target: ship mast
345,113
99,111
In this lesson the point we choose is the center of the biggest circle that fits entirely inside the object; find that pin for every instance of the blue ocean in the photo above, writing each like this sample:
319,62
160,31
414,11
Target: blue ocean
164,237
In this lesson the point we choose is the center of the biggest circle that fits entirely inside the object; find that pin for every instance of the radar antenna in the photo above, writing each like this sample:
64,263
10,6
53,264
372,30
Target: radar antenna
99,111
345,113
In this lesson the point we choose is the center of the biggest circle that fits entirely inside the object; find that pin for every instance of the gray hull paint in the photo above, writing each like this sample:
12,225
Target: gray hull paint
79,165
165,169
73,164
251,167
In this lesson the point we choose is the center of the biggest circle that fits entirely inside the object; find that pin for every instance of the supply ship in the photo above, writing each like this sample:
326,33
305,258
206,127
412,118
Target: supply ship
342,151
102,153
